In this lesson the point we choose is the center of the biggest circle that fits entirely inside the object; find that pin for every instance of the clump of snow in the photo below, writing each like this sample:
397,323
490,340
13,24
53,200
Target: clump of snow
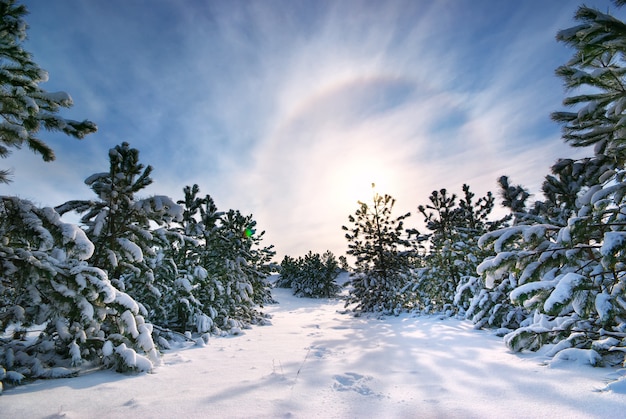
132,250
132,359
617,387
129,321
203,323
576,356
563,290
107,348
126,301
613,241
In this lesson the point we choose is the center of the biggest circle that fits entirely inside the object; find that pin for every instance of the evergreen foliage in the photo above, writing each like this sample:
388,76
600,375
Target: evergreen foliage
490,305
239,269
311,276
564,256
447,280
119,225
186,270
25,108
62,310
382,251
289,271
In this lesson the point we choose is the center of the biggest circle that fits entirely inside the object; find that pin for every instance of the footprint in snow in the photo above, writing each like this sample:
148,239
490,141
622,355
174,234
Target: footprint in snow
351,381
320,352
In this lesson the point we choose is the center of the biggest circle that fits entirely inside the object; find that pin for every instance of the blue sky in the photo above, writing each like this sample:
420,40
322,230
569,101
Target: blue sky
289,110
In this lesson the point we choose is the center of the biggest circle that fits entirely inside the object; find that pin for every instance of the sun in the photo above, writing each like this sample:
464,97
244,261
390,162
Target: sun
359,180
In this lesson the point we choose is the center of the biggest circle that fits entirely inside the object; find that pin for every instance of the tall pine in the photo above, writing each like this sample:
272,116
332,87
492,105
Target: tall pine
119,225
382,250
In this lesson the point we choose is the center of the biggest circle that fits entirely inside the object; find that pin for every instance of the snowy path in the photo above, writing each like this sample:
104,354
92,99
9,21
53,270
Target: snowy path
315,362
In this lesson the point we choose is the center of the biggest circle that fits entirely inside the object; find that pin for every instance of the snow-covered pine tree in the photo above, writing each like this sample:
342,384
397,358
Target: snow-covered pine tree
119,225
239,268
221,265
490,306
60,310
194,303
24,106
200,223
378,243
447,281
289,271
315,276
567,260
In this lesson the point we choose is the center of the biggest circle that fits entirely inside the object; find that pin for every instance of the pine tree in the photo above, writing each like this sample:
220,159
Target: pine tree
448,280
240,270
289,270
314,275
382,252
119,225
200,223
24,106
490,304
221,265
187,273
68,309
566,256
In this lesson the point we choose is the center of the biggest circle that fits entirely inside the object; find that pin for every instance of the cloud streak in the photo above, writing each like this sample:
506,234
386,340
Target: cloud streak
289,110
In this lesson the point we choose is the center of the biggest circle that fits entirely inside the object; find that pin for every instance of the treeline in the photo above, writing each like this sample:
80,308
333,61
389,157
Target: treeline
312,275
117,288
551,272
136,274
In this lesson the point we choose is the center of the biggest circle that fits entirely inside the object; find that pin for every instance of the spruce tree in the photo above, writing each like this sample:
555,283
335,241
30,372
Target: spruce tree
24,106
381,249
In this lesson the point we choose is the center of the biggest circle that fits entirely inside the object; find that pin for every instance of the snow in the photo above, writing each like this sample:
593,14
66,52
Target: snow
613,241
578,356
126,301
62,98
563,291
133,252
315,360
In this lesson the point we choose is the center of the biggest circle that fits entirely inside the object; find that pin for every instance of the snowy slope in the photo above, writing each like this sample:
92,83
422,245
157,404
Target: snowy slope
316,362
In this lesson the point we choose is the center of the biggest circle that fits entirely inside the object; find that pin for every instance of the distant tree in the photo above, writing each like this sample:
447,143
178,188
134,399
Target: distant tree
381,249
25,107
289,270
314,275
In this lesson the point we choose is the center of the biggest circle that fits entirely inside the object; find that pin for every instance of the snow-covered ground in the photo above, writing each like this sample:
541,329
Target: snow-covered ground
315,361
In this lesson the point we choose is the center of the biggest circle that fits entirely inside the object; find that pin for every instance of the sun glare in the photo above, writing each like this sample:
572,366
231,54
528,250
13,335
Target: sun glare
356,179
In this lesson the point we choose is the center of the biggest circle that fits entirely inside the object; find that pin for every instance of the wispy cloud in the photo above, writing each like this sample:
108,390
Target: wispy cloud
289,110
